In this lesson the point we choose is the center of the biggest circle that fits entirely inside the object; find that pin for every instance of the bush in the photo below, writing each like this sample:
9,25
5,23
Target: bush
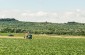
10,35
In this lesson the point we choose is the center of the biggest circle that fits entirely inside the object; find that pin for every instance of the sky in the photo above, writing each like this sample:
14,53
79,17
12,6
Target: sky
56,11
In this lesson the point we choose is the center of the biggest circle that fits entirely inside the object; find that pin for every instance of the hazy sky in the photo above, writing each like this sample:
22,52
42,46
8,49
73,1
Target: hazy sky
43,10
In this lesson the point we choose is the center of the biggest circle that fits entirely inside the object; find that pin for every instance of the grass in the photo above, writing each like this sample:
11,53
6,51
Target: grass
42,45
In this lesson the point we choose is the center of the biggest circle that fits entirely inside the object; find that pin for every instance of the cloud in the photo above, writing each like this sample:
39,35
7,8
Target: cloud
35,14
42,16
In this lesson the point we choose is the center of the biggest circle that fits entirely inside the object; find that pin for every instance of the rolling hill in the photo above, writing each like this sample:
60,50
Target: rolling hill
11,25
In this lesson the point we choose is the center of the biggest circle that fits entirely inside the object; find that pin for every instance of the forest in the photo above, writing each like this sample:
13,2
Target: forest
11,25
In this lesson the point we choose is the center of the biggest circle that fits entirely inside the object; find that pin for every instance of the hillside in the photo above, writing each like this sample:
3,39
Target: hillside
15,26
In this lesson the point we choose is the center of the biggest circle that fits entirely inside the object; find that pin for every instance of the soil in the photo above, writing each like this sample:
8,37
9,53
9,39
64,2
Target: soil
11,37
50,36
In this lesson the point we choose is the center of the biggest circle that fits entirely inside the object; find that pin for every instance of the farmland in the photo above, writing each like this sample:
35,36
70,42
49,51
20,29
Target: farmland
42,45
48,38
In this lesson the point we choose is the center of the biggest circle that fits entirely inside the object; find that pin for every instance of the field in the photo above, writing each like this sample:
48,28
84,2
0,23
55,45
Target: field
42,45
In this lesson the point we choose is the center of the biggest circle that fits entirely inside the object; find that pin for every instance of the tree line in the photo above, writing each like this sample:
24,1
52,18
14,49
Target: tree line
15,26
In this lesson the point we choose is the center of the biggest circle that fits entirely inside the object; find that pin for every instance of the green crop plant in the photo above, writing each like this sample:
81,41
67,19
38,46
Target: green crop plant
42,46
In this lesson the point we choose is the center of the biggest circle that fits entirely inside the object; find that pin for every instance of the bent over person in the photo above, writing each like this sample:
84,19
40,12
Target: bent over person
26,35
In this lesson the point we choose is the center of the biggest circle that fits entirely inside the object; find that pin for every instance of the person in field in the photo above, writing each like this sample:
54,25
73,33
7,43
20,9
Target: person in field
26,35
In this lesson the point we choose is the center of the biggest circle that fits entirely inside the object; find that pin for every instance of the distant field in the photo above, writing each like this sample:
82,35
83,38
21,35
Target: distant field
39,35
42,45
15,34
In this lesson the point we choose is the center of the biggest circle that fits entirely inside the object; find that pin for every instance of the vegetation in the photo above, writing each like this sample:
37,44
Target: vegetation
14,26
43,46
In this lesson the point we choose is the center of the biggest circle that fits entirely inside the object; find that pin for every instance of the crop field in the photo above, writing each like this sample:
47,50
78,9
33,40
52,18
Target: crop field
42,45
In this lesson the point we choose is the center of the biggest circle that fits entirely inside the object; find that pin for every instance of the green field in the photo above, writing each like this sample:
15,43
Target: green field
42,45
